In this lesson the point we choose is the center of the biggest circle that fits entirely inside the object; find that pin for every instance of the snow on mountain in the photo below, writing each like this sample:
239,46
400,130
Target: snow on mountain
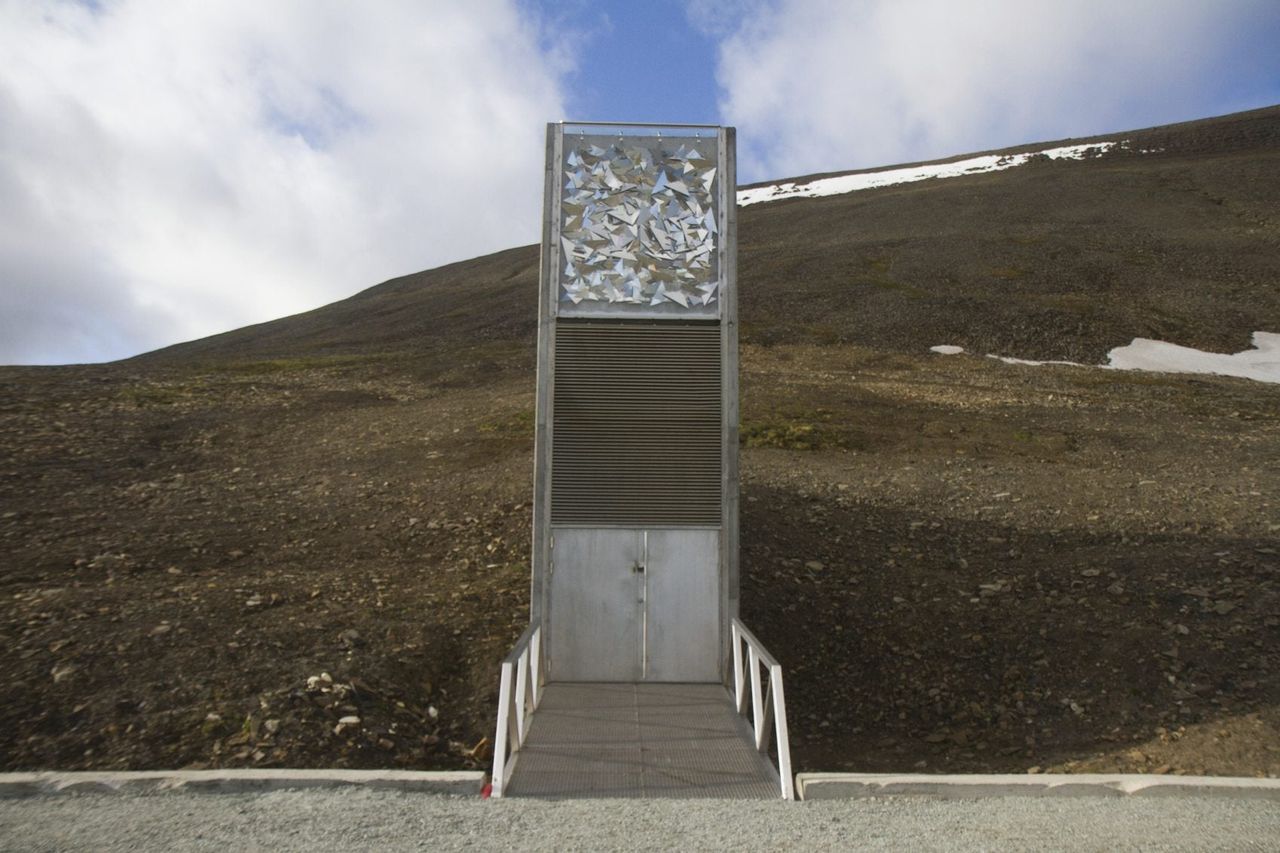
1261,363
841,184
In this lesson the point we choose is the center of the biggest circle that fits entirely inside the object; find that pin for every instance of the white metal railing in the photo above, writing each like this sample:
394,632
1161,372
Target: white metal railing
765,702
519,692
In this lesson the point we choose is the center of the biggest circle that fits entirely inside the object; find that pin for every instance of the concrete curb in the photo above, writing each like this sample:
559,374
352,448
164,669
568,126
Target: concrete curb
466,783
843,786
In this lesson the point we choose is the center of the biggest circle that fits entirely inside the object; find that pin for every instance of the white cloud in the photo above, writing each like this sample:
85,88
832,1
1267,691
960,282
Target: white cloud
823,85
172,169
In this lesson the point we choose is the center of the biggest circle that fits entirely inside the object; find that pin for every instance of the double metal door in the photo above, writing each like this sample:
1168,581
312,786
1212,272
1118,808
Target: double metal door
634,605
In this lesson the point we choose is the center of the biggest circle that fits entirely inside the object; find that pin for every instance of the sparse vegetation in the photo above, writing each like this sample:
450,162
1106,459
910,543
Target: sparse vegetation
273,366
963,565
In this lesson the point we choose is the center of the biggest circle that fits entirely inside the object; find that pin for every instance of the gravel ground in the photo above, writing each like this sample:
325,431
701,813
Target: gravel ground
386,820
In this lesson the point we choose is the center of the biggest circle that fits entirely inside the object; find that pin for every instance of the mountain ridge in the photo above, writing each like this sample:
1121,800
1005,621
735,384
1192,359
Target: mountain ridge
1164,245
1261,118
220,553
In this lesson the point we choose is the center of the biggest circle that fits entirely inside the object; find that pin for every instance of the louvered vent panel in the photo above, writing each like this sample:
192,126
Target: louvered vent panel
636,424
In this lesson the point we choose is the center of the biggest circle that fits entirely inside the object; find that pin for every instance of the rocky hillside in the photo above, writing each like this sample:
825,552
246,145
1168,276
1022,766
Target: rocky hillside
305,543
1175,235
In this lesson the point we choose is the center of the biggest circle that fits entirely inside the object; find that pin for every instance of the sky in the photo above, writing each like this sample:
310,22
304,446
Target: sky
171,169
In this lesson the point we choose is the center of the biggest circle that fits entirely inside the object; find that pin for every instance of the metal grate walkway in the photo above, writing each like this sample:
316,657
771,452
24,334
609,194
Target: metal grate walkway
640,740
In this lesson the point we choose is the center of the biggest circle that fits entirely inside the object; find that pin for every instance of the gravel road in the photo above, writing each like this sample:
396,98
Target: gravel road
388,820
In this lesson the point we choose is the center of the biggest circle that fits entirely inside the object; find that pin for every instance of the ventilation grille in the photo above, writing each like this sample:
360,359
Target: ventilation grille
636,425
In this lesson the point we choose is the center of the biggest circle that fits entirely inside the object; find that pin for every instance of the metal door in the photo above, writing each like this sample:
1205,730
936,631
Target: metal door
634,605
681,623
597,592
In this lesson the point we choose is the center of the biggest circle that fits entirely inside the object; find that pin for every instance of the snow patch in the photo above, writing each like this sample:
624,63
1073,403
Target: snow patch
1011,360
1262,363
869,180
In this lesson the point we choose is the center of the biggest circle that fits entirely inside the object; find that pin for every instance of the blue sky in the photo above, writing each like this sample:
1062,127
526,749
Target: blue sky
642,62
175,168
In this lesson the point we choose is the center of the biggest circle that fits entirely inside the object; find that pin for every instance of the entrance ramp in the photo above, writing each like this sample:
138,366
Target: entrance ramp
640,740
643,739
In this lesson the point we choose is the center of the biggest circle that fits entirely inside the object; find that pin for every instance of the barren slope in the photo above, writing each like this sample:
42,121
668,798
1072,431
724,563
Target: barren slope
962,564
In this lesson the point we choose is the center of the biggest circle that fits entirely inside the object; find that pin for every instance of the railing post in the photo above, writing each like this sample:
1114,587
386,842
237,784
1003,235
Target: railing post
535,646
738,694
780,727
500,739
757,700
522,685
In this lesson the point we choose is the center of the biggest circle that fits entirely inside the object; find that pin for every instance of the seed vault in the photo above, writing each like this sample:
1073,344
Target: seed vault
635,545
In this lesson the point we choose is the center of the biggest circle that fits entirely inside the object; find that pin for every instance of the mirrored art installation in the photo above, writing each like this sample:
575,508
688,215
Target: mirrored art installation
638,223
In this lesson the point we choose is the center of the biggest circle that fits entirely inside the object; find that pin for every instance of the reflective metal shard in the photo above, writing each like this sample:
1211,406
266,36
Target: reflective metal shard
638,225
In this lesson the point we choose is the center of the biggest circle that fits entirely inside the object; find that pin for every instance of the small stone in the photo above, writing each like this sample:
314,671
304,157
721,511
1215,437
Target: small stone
321,682
271,726
62,672
161,629
1090,573
349,638
432,712
1034,769
1222,608
814,566
1116,589
349,721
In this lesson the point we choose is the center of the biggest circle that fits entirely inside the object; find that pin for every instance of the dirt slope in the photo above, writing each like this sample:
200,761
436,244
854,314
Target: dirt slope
217,552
